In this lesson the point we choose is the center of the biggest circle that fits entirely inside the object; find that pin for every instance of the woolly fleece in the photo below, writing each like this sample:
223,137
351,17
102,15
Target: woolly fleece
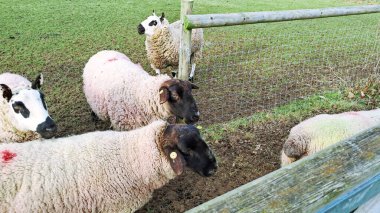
95,172
8,132
163,46
316,133
120,91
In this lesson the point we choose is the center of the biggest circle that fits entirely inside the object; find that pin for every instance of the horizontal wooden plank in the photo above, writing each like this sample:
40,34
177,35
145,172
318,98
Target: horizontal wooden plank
310,184
218,20
352,199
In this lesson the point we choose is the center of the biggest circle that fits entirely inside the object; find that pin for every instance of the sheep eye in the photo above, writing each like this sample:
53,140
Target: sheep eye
19,107
153,23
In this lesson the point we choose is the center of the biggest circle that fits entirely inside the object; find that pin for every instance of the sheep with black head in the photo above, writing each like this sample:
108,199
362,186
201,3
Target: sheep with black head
124,93
108,171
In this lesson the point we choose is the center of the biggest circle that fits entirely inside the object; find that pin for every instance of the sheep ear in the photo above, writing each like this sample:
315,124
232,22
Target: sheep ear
38,82
164,95
162,17
153,13
7,92
176,159
170,149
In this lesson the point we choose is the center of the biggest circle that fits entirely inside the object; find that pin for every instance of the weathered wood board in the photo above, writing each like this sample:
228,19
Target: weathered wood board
337,179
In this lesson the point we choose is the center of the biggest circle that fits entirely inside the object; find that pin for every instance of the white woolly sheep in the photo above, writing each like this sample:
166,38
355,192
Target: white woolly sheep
316,133
23,111
105,171
163,40
122,92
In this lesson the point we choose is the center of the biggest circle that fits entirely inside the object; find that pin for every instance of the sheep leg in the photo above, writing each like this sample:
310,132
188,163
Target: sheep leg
94,117
155,69
174,73
191,77
192,58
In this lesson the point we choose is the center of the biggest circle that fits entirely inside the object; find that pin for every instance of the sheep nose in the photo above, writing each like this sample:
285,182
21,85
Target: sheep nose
47,129
51,128
140,29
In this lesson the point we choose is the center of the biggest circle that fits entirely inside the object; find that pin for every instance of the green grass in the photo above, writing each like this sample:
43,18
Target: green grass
58,37
329,102
54,32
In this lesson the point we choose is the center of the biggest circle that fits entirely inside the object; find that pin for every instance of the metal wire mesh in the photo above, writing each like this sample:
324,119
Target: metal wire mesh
251,68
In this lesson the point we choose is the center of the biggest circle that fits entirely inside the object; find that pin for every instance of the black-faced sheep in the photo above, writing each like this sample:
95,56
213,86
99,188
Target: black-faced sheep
23,111
163,40
106,171
316,133
122,92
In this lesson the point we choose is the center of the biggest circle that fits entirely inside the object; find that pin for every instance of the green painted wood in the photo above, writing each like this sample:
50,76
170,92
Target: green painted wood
354,198
308,184
185,42
217,20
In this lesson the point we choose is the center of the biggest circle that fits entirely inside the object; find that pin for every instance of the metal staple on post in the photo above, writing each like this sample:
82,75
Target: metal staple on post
185,42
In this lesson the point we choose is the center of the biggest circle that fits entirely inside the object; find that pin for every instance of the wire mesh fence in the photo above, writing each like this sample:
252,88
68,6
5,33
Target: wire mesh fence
244,69
251,68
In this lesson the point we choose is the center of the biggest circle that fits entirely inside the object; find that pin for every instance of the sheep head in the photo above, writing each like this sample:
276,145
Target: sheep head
28,109
184,146
151,23
179,99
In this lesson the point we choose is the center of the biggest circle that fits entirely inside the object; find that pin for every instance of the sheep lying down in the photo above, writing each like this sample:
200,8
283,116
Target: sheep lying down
316,133
105,171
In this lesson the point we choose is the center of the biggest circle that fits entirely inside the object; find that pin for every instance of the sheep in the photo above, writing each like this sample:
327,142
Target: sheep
23,111
162,43
104,171
124,93
316,133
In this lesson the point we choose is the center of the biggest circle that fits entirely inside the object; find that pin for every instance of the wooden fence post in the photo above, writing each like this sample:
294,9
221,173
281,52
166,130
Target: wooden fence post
185,42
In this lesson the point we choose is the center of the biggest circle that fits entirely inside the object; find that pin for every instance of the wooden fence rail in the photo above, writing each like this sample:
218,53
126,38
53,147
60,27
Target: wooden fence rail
190,22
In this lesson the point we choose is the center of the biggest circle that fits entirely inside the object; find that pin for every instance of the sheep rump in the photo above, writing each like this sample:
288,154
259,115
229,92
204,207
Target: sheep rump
7,131
316,133
98,172
120,91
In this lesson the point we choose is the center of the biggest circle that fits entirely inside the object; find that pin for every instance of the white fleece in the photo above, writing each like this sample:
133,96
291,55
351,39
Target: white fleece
120,91
163,46
316,133
95,172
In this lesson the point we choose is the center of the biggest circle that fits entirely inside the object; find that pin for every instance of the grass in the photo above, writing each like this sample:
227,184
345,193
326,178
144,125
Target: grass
39,33
253,64
329,102
57,38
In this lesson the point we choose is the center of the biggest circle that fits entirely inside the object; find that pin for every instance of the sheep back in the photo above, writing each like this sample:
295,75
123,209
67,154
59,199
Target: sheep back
163,46
120,91
100,171
314,134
